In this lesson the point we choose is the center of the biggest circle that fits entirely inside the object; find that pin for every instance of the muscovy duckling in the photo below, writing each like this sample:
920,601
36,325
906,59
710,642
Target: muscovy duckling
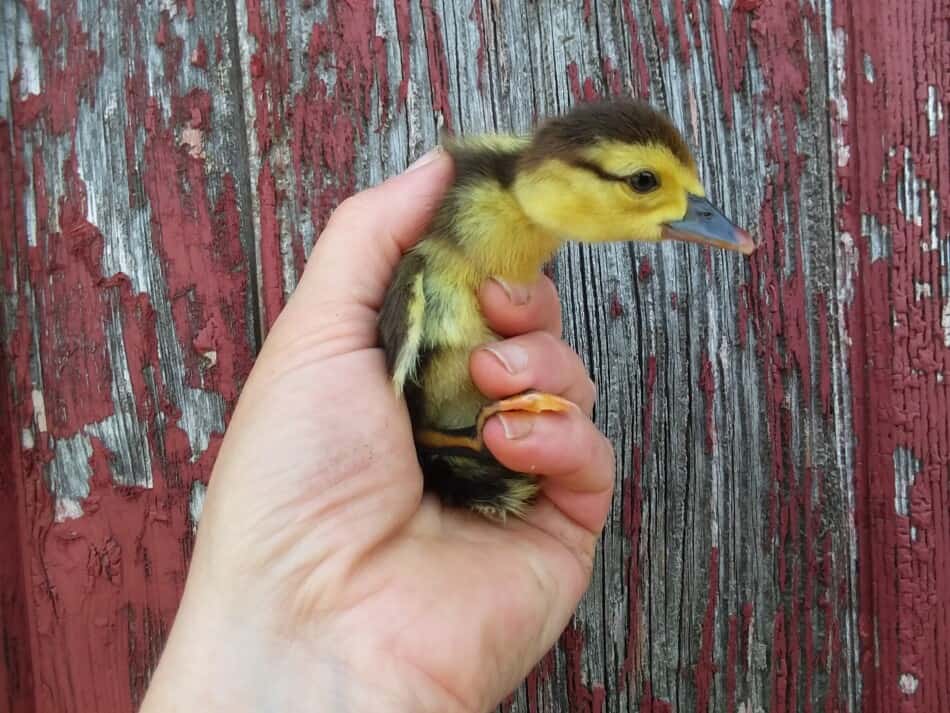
617,170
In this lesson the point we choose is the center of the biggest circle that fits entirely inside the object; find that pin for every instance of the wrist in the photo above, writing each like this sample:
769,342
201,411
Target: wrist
211,663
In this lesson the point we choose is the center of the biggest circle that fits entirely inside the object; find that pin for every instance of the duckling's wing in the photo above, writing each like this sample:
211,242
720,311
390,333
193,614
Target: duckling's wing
402,319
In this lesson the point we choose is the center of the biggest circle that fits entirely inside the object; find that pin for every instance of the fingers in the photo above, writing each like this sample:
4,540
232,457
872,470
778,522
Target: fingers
511,308
355,256
574,460
536,361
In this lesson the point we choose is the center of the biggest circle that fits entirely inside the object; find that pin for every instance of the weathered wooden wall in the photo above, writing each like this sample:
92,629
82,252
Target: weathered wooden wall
780,539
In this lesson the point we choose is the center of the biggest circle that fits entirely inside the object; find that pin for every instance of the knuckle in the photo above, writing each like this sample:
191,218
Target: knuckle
590,389
610,456
351,208
549,344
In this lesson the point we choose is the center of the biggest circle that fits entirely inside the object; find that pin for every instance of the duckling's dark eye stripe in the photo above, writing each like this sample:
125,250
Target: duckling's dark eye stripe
595,169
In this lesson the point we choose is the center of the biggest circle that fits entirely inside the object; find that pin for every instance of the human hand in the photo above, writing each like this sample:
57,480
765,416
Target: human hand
322,577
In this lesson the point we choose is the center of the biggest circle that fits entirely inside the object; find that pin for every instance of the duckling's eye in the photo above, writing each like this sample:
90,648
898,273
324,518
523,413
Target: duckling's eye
643,181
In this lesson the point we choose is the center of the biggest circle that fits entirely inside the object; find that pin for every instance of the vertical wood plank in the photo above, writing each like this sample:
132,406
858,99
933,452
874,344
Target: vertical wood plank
891,102
127,326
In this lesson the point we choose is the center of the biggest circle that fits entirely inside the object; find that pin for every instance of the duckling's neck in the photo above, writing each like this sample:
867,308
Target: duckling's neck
494,238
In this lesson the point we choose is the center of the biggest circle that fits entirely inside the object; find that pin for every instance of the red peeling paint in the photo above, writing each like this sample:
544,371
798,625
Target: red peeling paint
582,698
661,30
161,35
613,79
199,58
645,271
585,93
730,48
108,582
16,673
742,315
649,704
732,663
638,58
780,674
175,186
538,675
780,308
706,666
679,21
319,126
70,67
717,31
616,306
707,384
270,262
173,49
632,521
403,27
438,63
476,16
897,348
587,11
65,272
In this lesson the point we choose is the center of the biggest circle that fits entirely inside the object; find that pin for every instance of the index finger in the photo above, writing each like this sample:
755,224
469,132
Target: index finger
511,310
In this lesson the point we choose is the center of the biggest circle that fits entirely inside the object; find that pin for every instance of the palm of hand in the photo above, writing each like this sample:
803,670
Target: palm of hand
315,517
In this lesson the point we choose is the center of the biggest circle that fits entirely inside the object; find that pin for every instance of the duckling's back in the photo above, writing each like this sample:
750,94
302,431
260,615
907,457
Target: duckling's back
430,323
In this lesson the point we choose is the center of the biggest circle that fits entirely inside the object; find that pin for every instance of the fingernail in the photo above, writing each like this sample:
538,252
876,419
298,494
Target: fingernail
516,425
517,294
511,356
428,157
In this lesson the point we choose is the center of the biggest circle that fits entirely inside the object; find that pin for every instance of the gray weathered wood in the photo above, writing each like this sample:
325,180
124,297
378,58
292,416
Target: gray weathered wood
721,489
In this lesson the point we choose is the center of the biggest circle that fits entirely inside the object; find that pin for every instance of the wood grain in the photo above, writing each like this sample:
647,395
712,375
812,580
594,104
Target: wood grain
126,327
779,537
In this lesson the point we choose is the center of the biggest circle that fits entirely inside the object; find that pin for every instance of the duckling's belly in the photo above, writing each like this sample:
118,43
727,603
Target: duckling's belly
454,326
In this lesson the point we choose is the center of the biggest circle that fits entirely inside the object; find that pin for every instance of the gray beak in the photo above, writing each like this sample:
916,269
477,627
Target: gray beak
705,224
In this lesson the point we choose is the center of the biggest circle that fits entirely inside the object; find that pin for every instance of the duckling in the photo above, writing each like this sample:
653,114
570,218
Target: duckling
609,171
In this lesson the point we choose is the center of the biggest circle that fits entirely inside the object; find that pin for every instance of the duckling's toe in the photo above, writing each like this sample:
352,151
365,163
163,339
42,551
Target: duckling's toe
529,401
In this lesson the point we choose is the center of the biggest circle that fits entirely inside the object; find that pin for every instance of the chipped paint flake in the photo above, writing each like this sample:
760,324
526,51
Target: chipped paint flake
839,44
922,289
847,267
67,509
70,471
868,68
194,140
201,417
934,110
945,323
908,191
39,410
196,502
906,468
908,684
29,55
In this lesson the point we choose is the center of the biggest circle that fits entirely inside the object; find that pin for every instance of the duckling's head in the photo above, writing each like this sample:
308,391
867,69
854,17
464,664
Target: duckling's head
619,170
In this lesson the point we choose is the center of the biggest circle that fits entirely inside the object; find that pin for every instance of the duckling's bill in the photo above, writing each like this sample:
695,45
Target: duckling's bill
705,224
